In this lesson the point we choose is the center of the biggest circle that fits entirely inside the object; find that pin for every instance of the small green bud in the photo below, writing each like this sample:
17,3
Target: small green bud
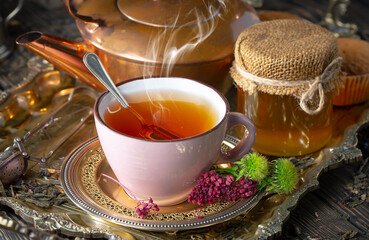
284,176
253,166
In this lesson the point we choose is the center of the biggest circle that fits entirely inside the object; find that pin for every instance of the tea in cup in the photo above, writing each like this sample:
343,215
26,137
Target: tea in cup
167,170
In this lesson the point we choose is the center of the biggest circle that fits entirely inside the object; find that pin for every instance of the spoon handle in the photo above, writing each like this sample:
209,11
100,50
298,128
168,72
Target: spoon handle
93,63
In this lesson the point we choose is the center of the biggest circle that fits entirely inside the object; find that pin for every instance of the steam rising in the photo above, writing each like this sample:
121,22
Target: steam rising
165,47
166,42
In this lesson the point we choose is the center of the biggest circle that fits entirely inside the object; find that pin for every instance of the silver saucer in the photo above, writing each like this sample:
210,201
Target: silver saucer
107,200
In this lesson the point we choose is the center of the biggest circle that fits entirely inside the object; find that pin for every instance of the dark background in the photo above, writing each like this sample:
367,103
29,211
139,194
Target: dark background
339,209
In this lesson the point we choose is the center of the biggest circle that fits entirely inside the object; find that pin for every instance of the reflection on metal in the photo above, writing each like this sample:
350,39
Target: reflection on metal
14,159
46,223
255,3
332,19
26,231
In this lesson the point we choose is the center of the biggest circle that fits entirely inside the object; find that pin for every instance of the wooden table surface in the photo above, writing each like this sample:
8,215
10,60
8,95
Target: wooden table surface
326,213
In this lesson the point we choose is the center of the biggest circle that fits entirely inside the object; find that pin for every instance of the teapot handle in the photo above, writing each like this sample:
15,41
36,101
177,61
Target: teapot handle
85,19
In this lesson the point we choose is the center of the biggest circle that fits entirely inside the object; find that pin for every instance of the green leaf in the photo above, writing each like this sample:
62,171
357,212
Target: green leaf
269,180
223,171
234,168
262,184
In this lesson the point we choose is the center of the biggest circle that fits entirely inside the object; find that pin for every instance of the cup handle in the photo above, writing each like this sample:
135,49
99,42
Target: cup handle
245,143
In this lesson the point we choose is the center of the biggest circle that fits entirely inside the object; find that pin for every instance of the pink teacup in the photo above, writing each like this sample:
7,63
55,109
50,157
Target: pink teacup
167,170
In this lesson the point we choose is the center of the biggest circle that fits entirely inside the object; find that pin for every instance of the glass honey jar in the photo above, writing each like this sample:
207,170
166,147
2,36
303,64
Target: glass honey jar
286,75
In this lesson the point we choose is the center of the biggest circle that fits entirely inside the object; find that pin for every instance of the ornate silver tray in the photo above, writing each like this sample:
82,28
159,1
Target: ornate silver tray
262,220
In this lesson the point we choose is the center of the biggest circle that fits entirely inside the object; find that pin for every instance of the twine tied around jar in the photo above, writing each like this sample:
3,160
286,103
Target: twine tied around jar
314,84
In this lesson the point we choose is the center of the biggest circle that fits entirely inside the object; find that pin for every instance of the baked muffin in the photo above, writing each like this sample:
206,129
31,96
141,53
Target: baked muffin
274,15
354,72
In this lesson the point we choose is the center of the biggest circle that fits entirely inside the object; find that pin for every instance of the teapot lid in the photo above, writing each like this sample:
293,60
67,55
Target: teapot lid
169,13
165,31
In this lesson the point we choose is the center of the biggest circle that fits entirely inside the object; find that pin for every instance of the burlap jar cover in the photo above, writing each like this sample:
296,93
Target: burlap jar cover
288,57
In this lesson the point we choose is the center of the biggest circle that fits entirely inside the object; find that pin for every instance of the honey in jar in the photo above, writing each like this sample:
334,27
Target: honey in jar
286,76
283,128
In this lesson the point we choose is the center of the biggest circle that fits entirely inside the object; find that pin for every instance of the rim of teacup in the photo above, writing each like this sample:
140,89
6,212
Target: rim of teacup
106,92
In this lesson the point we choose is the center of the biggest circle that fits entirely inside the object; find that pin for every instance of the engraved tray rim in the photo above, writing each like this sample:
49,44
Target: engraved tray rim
77,196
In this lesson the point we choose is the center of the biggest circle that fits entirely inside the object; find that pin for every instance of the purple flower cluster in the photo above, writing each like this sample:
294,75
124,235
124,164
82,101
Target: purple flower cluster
212,187
143,208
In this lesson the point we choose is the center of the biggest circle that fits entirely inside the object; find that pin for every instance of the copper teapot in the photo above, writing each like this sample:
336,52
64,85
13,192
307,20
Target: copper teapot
184,38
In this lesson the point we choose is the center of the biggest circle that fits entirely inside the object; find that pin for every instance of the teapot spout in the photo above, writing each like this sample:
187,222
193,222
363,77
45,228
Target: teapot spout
64,54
